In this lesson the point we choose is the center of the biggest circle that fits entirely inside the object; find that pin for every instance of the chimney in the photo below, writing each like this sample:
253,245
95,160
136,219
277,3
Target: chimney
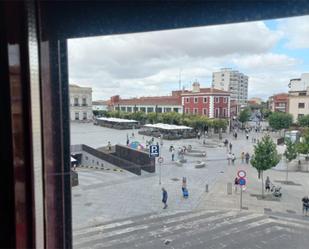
196,87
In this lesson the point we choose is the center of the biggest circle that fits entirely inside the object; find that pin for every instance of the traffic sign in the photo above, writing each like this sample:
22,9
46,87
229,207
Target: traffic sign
154,151
242,181
241,174
160,159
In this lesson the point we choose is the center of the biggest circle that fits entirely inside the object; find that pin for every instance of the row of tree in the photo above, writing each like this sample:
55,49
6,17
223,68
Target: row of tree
266,156
194,121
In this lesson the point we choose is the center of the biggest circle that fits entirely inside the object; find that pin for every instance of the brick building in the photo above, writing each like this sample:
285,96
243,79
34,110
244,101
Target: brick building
279,102
210,102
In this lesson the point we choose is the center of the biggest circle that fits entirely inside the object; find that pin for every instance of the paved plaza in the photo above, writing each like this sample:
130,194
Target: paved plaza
105,196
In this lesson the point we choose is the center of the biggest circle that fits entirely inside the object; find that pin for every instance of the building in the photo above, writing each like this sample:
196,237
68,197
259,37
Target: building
299,84
210,102
80,103
232,81
158,104
299,96
279,102
255,101
100,105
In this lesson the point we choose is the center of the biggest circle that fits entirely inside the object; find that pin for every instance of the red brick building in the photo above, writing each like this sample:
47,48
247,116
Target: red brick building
279,102
210,102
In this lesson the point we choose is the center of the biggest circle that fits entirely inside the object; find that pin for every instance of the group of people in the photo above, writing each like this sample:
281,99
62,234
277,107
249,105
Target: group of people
231,158
184,189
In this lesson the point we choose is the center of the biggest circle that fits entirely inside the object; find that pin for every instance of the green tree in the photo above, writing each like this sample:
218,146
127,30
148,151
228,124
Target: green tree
304,121
290,154
303,146
280,120
244,116
265,113
265,157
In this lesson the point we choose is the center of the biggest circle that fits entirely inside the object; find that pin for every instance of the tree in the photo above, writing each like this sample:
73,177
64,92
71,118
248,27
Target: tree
303,146
280,120
304,121
265,157
290,154
244,116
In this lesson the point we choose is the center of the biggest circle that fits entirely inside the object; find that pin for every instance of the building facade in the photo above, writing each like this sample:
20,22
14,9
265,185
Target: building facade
209,102
80,103
279,102
299,103
232,81
299,84
100,105
158,104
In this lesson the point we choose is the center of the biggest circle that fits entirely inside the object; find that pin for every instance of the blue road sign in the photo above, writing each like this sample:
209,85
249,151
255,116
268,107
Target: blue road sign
242,181
154,151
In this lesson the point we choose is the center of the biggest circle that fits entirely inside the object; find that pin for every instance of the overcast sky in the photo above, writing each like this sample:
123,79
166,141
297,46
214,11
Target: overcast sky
149,64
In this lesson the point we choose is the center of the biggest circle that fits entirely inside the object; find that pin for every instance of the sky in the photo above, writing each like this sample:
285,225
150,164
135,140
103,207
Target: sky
152,63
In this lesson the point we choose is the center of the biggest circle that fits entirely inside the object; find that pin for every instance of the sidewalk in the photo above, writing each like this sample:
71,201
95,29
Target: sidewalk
290,202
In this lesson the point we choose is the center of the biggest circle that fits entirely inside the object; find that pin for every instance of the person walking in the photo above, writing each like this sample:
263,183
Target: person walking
184,189
236,183
233,158
164,198
109,146
242,156
267,184
173,153
231,146
247,156
305,201
247,136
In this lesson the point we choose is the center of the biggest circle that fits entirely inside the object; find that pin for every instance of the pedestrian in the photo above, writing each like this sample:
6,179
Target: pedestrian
267,184
132,134
247,156
231,146
173,153
184,188
236,183
247,136
236,135
109,146
198,135
164,198
242,156
305,201
233,159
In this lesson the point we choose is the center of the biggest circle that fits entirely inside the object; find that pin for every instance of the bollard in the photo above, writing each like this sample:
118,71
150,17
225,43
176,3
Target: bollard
206,188
229,188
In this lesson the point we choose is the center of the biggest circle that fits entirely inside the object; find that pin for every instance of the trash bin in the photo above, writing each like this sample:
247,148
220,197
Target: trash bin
229,188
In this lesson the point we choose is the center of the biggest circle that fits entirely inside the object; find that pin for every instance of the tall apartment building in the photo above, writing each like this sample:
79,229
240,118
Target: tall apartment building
232,81
299,96
80,103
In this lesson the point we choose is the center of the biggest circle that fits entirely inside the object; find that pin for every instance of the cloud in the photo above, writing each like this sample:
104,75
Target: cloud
296,31
145,64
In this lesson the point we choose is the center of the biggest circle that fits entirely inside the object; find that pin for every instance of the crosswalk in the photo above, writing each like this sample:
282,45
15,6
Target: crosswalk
210,229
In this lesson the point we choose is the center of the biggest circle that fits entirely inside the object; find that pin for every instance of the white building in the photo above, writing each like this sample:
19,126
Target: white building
100,105
232,81
299,96
80,103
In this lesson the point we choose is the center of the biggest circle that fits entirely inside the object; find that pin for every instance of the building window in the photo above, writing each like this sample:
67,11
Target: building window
84,102
142,109
225,100
302,94
195,111
187,110
84,115
301,105
159,110
217,112
176,109
195,99
168,109
224,112
76,115
205,111
187,100
300,115
129,109
149,109
76,102
205,100
216,99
